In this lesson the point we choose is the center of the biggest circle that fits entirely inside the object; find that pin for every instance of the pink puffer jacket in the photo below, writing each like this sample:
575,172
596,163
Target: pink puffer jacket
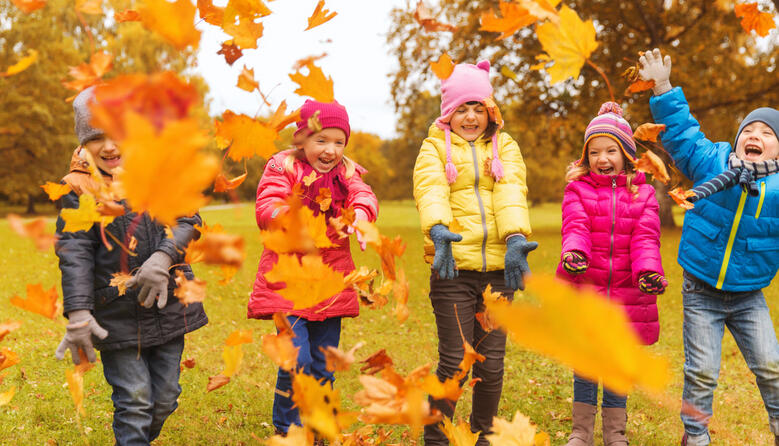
275,186
620,236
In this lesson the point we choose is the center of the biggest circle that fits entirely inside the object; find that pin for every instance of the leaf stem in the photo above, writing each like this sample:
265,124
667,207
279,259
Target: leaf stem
603,75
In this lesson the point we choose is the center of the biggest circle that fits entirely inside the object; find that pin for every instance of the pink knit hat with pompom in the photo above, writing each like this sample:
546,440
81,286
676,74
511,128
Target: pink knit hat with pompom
467,83
611,124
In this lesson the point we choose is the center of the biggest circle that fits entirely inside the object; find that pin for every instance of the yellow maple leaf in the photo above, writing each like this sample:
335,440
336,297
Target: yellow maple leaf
319,16
189,291
239,337
8,358
443,67
308,281
83,217
460,434
568,44
297,230
119,280
6,396
296,436
55,190
247,8
310,178
173,21
75,380
232,355
93,7
39,301
610,351
519,432
245,33
246,80
22,64
314,85
281,350
320,406
512,18
165,173
245,136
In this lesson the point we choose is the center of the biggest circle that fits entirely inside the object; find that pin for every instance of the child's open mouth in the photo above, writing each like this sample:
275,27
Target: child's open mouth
112,160
605,170
751,149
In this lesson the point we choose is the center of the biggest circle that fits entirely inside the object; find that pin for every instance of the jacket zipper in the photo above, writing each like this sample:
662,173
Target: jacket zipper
733,230
613,224
481,208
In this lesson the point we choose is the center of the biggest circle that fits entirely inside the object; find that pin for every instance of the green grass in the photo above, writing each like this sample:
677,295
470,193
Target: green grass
42,412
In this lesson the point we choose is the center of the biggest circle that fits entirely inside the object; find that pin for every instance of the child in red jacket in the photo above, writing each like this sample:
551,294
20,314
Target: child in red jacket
319,326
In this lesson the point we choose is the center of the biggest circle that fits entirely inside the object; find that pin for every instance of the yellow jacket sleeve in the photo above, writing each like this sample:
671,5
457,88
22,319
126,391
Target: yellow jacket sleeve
431,190
509,195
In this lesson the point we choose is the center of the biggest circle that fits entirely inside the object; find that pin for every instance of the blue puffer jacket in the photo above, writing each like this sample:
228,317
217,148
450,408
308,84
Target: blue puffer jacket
729,240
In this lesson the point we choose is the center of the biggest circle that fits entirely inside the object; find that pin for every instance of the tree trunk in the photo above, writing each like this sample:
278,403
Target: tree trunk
666,205
30,204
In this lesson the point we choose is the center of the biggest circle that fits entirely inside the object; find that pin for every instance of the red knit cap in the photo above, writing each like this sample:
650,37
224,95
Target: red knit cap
331,115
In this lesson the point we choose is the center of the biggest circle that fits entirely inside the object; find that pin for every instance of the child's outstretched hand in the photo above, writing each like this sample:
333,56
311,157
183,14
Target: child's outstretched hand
79,336
655,67
443,262
359,215
153,277
652,283
574,262
515,263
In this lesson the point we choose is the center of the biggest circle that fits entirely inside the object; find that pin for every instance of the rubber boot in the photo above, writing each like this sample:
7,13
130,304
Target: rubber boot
615,420
583,424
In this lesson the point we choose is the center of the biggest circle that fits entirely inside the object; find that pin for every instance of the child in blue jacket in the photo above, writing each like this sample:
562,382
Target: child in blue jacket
729,248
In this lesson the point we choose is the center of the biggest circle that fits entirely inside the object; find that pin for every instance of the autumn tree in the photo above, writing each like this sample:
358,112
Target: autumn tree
723,72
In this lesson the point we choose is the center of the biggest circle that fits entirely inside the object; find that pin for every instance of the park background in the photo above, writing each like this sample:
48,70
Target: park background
725,73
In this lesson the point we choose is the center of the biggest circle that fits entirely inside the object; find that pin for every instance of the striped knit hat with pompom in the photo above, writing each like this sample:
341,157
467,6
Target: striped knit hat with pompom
611,124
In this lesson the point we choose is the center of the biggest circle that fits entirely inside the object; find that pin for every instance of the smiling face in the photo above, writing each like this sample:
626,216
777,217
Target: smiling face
470,120
325,149
105,152
605,156
757,142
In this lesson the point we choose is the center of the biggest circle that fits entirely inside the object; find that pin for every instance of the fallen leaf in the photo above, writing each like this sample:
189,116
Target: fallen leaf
173,21
519,432
653,165
443,67
8,358
308,281
246,80
28,6
222,184
320,15
189,291
754,20
6,396
39,301
23,63
567,44
128,15
34,229
314,85
425,18
245,136
680,196
93,7
55,190
119,280
230,51
7,327
188,363
648,131
513,17
217,381
337,360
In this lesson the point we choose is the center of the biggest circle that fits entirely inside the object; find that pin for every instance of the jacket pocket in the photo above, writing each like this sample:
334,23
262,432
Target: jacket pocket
762,244
106,295
708,230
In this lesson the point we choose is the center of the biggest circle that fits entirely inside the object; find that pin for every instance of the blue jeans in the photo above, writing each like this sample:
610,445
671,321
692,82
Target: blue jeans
309,336
707,311
586,391
146,388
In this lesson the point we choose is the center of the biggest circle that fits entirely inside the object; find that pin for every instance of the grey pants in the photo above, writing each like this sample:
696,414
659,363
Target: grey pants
465,292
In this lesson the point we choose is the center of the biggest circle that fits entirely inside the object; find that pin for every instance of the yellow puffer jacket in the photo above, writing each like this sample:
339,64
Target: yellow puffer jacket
486,211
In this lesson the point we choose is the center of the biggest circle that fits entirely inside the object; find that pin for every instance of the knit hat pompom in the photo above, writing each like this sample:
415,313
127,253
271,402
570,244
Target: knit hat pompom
610,107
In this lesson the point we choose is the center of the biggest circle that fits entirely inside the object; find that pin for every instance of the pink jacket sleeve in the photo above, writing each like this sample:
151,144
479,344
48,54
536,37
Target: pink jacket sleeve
576,227
645,239
275,186
361,195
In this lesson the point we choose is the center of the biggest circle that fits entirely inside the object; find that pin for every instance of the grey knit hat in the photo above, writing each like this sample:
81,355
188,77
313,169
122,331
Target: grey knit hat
767,115
83,115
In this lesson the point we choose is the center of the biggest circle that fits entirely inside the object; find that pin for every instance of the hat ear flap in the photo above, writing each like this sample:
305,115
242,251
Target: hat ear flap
484,65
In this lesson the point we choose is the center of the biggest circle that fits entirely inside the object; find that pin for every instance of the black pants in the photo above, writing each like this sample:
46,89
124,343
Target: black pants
465,292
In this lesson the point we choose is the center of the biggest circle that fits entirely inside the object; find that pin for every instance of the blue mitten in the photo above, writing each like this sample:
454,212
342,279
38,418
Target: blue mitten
515,264
443,262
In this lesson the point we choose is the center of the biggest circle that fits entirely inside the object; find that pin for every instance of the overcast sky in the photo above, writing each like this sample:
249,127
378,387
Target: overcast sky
357,59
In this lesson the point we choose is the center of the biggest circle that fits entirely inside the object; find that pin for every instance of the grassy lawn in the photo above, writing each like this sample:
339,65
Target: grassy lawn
42,412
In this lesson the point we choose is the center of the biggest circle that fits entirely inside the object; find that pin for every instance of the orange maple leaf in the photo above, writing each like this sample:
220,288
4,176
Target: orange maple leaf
648,131
245,136
222,184
215,247
173,21
343,222
23,64
297,230
653,165
230,51
754,20
188,363
128,15
680,196
28,6
238,337
280,119
246,80
320,15
513,18
8,358
119,279
315,85
376,362
8,327
306,281
639,86
424,17
300,63
281,350
245,33
400,291
93,7
39,301
55,190
443,67
210,13
324,198
35,229
337,360
88,74
189,291
310,178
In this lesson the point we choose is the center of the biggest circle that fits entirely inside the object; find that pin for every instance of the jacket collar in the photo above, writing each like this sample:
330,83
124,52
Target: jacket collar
605,180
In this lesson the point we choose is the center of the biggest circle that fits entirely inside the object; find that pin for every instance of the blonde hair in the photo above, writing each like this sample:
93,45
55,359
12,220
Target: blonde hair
578,170
299,155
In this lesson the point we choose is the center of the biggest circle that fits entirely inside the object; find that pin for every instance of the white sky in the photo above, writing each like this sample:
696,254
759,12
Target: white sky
358,60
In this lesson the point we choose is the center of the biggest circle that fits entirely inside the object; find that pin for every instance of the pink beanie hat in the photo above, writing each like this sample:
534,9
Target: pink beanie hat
467,83
331,115
611,124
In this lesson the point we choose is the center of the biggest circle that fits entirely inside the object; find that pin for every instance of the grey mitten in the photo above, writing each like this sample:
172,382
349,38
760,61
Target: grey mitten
515,262
79,336
655,67
153,277
443,262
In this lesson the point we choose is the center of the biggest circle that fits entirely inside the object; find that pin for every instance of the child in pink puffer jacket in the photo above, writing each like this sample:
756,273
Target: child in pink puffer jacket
611,240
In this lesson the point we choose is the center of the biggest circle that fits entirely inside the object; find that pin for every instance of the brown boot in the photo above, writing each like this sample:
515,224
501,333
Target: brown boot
614,421
583,424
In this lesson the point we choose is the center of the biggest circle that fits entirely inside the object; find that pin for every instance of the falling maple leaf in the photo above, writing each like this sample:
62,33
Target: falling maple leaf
55,190
509,73
388,249
320,406
83,217
314,85
680,196
8,358
217,381
300,63
238,337
543,9
281,350
376,362
460,434
754,20
519,432
173,21
486,321
227,274
337,360
343,222
310,178
93,7
35,230
7,327
281,119
28,6
424,17
245,32
189,291
128,15
639,86
6,396
400,291
554,329
75,382
232,356
210,13
119,280
222,184
653,165
39,301
23,63
443,67
188,363
324,199
165,173
215,247
230,51
297,230
648,131
295,436
308,281
320,15
245,136
88,74
513,18
567,44
246,80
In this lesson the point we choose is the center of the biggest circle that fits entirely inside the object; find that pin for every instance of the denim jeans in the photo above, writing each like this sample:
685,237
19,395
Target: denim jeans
146,388
465,292
586,391
707,311
309,336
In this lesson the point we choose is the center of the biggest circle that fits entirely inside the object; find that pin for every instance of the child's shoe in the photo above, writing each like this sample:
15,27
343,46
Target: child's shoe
583,421
614,421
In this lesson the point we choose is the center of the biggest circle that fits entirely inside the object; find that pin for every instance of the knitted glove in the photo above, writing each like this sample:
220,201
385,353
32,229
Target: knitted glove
79,336
655,67
443,262
574,262
652,283
515,262
153,277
